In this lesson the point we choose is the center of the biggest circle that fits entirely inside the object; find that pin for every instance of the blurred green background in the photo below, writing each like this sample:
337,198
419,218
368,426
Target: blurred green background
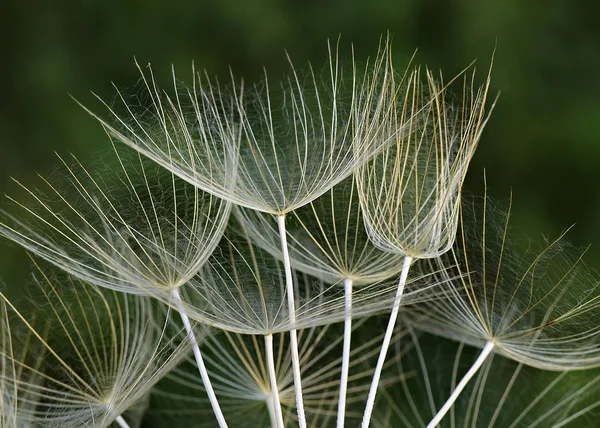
543,140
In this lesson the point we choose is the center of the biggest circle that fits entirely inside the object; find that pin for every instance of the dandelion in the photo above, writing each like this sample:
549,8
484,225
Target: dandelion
409,193
93,362
537,307
141,231
341,181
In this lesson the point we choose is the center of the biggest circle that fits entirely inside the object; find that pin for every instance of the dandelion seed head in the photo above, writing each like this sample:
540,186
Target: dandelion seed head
97,357
136,229
410,192
539,304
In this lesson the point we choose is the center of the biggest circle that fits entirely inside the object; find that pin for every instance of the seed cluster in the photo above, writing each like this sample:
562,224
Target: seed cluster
296,253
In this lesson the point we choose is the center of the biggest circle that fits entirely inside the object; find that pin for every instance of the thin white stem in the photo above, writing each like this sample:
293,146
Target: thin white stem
386,342
199,360
121,422
346,352
289,283
271,410
275,411
487,350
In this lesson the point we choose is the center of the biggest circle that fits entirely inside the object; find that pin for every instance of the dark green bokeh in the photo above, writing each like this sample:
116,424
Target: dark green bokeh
543,141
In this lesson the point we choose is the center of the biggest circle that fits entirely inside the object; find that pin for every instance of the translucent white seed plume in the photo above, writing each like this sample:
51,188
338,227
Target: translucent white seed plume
538,304
410,192
102,352
132,227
